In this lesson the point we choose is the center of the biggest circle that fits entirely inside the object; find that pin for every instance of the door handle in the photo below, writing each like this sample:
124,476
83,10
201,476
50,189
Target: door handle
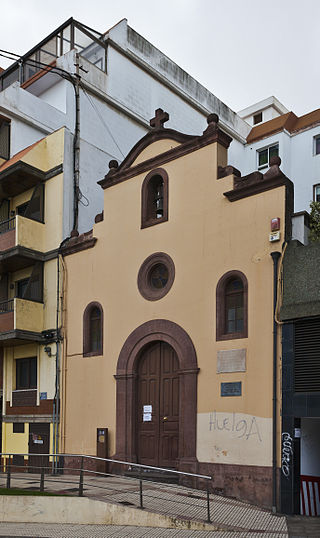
164,419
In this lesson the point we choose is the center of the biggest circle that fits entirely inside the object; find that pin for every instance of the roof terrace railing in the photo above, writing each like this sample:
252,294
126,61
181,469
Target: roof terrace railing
70,35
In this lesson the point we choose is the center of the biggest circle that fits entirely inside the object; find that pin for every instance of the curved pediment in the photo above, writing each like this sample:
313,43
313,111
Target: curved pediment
156,143
161,145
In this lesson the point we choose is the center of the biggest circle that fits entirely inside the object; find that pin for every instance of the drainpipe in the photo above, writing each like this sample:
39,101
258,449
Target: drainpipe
275,257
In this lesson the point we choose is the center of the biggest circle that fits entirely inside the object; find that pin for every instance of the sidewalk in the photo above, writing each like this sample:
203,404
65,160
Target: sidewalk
38,530
242,519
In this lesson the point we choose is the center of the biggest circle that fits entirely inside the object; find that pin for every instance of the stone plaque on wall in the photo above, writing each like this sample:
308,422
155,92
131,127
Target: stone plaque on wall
231,389
231,360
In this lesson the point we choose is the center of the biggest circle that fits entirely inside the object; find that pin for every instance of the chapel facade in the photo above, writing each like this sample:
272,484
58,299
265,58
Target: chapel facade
169,328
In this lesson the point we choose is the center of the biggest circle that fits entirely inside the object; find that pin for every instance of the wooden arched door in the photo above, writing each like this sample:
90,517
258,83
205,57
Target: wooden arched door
157,413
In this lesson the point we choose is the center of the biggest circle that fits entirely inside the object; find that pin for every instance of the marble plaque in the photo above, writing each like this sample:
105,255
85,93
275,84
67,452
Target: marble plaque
231,360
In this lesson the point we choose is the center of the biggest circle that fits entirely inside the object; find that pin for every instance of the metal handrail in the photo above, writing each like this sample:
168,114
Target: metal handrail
8,466
129,463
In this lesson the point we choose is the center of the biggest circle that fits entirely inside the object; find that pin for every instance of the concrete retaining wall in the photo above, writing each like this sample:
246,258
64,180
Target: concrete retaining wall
34,509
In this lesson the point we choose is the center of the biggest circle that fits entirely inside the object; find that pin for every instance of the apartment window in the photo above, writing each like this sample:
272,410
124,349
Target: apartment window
316,145
21,286
31,288
18,427
154,198
316,193
257,118
232,306
21,209
265,154
26,373
93,330
4,139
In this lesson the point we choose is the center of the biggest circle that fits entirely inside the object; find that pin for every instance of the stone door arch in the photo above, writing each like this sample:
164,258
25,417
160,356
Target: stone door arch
126,379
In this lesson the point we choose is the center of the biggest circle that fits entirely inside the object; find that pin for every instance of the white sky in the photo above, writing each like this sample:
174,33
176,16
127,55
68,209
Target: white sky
241,50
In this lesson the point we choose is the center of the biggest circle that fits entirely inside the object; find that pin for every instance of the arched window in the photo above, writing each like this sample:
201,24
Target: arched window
154,198
93,330
232,306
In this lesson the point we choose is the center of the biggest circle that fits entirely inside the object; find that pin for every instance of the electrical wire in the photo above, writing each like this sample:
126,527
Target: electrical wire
34,63
66,75
101,118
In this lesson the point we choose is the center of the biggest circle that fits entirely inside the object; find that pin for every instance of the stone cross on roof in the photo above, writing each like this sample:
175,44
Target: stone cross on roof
160,118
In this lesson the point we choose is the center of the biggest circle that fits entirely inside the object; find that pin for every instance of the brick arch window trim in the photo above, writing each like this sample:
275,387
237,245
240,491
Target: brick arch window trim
148,210
88,350
221,328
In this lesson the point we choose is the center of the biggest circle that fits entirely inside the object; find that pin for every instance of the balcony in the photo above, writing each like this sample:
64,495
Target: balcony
21,243
20,320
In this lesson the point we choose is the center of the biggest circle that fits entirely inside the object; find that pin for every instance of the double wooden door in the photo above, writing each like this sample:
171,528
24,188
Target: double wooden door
157,415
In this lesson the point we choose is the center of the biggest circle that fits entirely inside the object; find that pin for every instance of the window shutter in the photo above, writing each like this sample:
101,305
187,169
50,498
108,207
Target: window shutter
4,210
35,206
307,355
3,288
5,140
34,289
4,216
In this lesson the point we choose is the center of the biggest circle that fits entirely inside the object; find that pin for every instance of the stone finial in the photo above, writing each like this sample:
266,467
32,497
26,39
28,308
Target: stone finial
113,164
213,118
160,118
212,121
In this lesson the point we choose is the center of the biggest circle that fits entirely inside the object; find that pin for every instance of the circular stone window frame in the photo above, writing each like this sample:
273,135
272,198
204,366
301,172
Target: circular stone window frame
147,291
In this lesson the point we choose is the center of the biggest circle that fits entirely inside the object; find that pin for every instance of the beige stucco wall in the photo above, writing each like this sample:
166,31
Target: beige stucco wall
48,153
206,236
30,315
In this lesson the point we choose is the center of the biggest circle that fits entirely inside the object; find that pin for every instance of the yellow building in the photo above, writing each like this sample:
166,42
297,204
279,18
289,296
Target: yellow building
31,209
170,313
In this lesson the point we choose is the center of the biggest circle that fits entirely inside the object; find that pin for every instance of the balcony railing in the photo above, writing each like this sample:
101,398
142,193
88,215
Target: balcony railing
6,306
21,315
22,231
7,225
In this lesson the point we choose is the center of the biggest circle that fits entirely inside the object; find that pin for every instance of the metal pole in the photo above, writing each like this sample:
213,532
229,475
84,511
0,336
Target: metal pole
8,475
81,480
140,491
208,503
42,479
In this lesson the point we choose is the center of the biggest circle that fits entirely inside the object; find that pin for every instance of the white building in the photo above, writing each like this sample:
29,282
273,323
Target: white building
123,80
296,139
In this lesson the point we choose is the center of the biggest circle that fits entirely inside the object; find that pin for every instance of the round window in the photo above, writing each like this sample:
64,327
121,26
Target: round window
156,276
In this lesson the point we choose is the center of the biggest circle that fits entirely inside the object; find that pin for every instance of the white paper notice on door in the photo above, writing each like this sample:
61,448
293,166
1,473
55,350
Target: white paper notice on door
147,408
147,417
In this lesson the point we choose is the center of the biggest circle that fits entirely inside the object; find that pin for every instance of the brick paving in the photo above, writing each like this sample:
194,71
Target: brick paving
234,518
39,530
303,526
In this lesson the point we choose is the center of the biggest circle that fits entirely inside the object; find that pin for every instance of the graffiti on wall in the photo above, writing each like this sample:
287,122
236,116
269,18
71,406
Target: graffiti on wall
286,453
235,438
239,428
